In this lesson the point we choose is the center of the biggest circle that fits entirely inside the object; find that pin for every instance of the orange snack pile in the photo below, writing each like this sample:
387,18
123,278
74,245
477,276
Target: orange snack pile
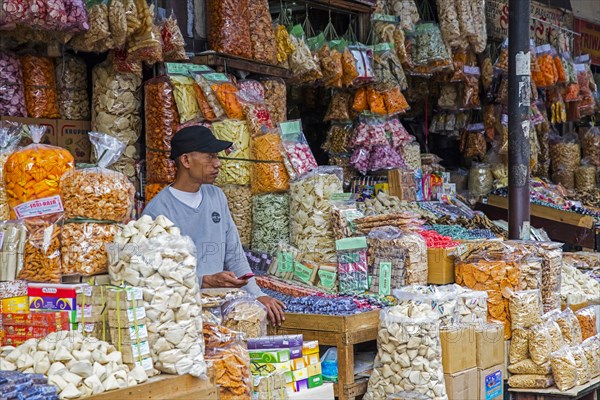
268,172
39,81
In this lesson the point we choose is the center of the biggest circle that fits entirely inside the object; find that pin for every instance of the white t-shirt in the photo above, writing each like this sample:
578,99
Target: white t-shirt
191,199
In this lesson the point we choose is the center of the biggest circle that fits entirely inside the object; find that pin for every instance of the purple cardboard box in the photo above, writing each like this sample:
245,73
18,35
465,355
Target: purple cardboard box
301,385
276,342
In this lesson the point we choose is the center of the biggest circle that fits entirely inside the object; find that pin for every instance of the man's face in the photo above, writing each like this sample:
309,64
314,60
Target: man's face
202,167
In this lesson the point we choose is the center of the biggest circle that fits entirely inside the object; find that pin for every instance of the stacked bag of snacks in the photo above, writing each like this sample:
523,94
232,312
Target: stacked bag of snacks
96,201
31,177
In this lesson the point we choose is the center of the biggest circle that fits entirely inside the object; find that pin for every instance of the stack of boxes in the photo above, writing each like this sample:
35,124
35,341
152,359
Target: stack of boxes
310,354
13,297
91,318
128,329
473,361
55,297
17,328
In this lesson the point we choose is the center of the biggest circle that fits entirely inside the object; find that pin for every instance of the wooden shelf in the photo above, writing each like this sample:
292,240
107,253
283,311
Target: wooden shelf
578,392
355,6
220,62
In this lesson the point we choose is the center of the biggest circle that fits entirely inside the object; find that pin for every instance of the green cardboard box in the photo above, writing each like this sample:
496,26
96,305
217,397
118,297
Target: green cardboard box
315,381
275,356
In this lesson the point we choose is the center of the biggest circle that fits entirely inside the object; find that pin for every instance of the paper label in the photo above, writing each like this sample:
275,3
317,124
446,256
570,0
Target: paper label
523,63
493,385
385,278
140,313
302,272
460,250
285,261
142,332
341,196
146,363
327,278
216,77
140,349
291,127
36,208
134,294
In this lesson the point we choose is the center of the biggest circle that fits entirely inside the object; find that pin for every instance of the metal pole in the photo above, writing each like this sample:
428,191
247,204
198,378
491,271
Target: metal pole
519,99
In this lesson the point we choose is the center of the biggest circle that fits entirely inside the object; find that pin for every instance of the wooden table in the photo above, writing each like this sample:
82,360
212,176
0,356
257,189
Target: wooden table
163,387
589,391
341,331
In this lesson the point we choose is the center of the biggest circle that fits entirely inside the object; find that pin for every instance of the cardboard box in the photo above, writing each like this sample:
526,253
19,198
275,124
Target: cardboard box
491,383
296,352
15,304
315,381
440,264
401,183
275,342
310,347
47,296
301,385
297,364
462,385
37,318
50,136
274,356
311,359
490,345
73,136
300,374
263,369
314,369
10,289
458,349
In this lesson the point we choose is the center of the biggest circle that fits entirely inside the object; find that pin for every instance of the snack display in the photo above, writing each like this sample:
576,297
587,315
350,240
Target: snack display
239,199
42,261
235,162
268,172
82,247
247,316
98,193
570,327
540,344
34,172
12,97
310,213
276,99
270,221
229,27
386,260
583,368
525,308
40,87
587,320
72,85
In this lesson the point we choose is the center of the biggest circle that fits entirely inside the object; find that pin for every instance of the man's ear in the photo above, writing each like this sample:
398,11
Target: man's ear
183,161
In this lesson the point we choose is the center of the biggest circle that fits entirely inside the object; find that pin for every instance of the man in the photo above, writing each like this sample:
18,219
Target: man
200,210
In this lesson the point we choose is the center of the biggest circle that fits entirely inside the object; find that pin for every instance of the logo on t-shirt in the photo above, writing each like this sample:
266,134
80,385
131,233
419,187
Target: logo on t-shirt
216,217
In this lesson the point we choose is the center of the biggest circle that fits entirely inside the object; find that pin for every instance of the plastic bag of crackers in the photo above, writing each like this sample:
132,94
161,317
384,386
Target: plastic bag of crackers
246,315
228,354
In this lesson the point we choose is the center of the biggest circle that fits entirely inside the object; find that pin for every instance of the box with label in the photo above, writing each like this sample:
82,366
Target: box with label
132,316
275,342
58,319
14,304
50,136
73,136
133,352
310,347
458,348
295,352
315,381
314,369
300,374
263,369
440,264
270,356
490,345
491,383
297,363
401,183
47,296
462,385
10,289
129,335
301,385
311,359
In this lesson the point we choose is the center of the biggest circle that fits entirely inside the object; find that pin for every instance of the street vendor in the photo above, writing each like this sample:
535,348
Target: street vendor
200,210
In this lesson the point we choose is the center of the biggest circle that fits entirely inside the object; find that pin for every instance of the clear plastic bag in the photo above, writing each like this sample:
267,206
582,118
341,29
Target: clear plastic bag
145,45
591,347
226,94
159,166
363,57
185,98
160,113
42,261
339,107
343,213
556,337
470,97
268,172
583,368
395,102
540,344
570,327
338,138
12,95
376,101
310,213
449,23
98,37
303,66
472,306
386,261
590,144
481,180
34,172
257,114
276,98
519,346
235,162
98,193
12,249
270,222
587,320
247,316
547,75
528,367
229,27
478,37
298,157
530,381
525,308
83,247
239,199
252,89
9,140
330,59
384,157
352,265
151,190
429,46
173,41
72,84
40,87
360,160
207,100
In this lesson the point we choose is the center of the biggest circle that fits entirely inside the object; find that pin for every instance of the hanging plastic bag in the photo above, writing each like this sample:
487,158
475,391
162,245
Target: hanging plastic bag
72,85
257,114
303,67
268,172
470,97
363,59
40,87
275,95
98,37
394,100
297,155
173,41
12,96
34,172
42,261
185,98
229,27
9,140
99,193
339,106
145,45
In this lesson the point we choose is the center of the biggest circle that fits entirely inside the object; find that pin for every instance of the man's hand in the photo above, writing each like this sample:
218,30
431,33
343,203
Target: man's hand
225,279
274,309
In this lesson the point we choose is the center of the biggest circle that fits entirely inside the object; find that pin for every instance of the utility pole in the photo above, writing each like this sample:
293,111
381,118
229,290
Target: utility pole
519,99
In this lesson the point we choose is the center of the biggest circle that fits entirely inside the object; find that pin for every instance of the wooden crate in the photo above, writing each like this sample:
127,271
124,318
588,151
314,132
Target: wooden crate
163,387
341,331
589,391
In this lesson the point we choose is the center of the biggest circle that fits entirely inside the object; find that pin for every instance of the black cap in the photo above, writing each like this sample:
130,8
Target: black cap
196,138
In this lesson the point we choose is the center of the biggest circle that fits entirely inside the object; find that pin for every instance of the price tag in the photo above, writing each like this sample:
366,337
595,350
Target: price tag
285,261
460,250
385,278
36,208
327,278
302,272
